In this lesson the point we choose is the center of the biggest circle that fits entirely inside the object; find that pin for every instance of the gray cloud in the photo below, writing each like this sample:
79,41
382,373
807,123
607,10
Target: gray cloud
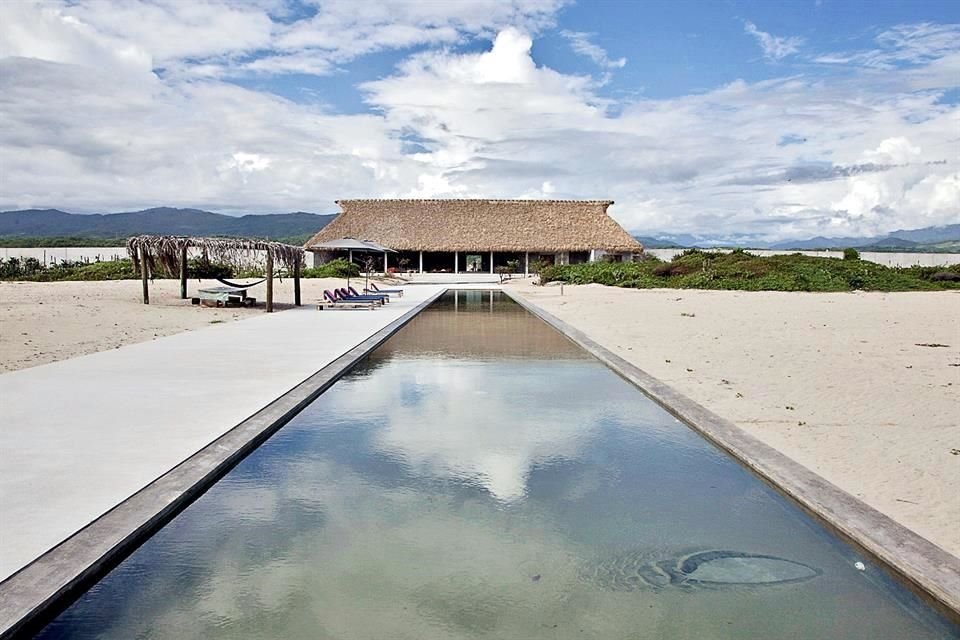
810,173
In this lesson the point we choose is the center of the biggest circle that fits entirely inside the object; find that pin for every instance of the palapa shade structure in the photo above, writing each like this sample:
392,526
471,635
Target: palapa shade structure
548,226
151,254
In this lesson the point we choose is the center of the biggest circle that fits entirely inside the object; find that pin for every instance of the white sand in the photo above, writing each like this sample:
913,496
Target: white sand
834,381
43,322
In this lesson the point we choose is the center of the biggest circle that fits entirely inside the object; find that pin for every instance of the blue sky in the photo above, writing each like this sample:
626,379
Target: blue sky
673,48
764,119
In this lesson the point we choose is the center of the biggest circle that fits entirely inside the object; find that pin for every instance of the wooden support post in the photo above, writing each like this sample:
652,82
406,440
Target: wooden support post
296,282
421,262
144,276
269,282
526,264
183,273
491,265
456,261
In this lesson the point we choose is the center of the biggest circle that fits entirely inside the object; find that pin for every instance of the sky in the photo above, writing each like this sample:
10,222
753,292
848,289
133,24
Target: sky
757,120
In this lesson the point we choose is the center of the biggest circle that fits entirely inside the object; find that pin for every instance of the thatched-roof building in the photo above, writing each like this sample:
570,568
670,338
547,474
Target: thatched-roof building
478,235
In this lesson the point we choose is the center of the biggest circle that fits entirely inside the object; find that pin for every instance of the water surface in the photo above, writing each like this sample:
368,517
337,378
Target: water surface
479,476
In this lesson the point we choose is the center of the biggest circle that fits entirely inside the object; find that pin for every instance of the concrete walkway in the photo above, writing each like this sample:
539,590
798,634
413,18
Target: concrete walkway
80,436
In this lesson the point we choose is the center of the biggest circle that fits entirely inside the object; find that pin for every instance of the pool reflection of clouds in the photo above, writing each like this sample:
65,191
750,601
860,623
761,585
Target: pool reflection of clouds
488,422
382,555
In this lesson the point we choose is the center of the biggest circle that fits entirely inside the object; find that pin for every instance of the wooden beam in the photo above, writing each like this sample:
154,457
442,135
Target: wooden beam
144,276
296,283
269,282
183,273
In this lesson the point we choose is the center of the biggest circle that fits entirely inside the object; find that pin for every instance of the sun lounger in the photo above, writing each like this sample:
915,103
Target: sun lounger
355,294
224,296
332,301
374,289
348,294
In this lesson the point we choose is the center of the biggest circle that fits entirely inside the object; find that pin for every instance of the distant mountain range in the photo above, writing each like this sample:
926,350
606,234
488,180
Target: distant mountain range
903,239
48,223
32,226
944,238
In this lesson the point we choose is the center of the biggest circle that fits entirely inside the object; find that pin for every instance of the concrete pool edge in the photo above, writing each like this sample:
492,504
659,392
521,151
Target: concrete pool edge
923,566
29,597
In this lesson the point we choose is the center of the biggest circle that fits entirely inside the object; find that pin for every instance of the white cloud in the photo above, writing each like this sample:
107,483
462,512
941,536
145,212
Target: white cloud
580,42
218,37
683,164
893,151
47,33
774,47
908,43
90,126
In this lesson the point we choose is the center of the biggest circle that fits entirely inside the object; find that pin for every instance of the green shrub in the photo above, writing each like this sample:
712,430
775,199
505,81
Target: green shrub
945,276
537,266
851,254
32,269
254,272
203,268
339,268
665,270
741,270
111,270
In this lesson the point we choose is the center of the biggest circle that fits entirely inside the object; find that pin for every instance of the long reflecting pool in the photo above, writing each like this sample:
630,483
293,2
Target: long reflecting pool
479,476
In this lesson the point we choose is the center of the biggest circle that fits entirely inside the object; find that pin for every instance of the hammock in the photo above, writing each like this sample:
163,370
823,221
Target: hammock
237,285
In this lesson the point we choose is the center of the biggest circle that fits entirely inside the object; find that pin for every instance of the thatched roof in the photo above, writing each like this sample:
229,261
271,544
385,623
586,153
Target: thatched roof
163,252
480,225
345,244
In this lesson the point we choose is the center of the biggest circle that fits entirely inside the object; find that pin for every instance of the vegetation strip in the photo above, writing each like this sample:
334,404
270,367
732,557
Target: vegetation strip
35,594
741,270
922,565
33,270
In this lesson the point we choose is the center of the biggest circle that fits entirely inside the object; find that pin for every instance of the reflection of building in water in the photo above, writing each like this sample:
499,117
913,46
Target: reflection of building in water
486,324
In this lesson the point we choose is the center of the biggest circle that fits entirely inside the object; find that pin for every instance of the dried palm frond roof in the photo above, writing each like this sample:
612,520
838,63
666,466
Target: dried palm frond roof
480,225
164,251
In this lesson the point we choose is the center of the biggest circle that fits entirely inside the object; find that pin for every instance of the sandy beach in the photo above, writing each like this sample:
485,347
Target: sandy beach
44,322
839,382
848,384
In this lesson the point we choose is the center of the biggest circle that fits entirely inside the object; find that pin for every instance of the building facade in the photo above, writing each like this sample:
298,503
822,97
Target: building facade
483,236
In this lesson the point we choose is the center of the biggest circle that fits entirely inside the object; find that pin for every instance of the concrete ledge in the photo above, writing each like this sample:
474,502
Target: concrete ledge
36,593
924,567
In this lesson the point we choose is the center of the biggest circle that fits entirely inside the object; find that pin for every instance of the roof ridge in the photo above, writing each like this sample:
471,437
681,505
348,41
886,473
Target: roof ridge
548,200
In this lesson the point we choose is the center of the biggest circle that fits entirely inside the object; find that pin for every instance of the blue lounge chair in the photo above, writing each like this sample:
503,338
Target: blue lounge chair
344,294
352,293
333,301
